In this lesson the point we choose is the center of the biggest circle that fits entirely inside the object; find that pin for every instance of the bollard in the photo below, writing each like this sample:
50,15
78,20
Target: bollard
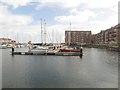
81,52
12,50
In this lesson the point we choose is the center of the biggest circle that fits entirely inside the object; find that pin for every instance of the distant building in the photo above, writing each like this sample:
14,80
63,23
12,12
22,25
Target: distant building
77,37
7,41
94,39
107,36
118,27
102,37
113,37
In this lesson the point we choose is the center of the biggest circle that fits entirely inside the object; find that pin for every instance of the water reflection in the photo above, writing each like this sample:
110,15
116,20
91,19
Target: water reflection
80,56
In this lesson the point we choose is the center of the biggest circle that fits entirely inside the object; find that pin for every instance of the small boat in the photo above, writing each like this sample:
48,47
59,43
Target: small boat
9,46
3,46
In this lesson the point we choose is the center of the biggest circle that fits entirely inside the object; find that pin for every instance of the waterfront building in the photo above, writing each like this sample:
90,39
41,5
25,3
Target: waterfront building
98,39
7,41
109,37
94,39
118,27
102,37
77,37
113,35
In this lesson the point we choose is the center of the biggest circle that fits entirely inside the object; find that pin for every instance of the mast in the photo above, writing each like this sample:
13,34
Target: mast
45,31
41,32
53,35
56,37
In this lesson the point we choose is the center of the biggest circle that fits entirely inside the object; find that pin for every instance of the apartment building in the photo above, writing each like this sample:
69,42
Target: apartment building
110,36
77,37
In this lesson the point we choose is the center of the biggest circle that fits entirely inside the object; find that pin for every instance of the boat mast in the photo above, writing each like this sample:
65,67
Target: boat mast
41,32
45,31
53,35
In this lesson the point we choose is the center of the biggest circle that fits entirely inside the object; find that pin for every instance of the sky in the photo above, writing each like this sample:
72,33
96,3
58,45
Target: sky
21,19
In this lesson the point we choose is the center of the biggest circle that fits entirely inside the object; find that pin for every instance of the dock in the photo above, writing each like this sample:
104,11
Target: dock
48,53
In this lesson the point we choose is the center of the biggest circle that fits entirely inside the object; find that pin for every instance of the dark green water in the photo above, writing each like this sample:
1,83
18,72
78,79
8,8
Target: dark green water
98,68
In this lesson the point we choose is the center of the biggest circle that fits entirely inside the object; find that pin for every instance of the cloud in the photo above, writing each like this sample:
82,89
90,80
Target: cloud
100,3
16,3
8,19
63,3
42,3
68,4
76,16
59,3
11,24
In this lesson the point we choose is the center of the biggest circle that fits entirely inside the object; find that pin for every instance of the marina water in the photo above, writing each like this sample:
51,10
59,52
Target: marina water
98,68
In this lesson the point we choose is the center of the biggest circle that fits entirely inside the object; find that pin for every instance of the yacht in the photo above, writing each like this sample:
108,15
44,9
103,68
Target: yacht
3,46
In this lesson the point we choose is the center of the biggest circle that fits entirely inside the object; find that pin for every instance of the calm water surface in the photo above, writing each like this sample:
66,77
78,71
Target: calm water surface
98,68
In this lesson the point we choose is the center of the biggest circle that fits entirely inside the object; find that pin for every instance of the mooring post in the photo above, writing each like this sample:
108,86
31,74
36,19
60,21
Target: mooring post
12,50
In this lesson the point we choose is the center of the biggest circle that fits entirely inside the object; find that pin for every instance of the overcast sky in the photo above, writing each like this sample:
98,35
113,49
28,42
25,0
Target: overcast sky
20,19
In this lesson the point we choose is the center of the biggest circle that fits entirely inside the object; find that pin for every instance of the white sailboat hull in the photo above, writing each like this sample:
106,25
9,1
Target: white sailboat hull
39,50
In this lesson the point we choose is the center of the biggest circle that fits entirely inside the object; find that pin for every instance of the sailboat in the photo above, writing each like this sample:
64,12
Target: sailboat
40,48
70,49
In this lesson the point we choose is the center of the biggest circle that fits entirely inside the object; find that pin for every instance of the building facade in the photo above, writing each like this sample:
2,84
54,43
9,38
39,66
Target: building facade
7,41
109,37
77,37
118,27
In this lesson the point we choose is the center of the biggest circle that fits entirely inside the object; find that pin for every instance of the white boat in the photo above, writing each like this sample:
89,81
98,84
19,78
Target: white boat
39,49
3,46
9,46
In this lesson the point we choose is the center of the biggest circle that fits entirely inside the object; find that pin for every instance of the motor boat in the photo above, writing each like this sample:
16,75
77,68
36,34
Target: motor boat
3,46
9,46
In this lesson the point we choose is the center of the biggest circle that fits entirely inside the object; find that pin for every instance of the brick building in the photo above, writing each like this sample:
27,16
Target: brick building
118,27
107,36
110,36
94,39
102,37
77,37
